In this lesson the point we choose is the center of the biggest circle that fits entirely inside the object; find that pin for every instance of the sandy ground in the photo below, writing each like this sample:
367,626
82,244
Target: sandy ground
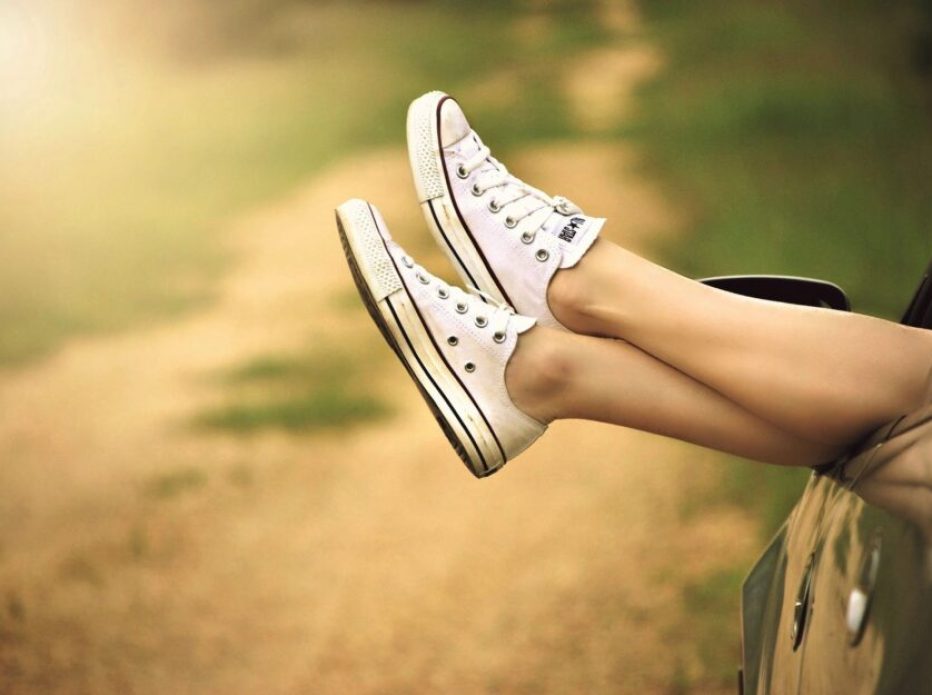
365,561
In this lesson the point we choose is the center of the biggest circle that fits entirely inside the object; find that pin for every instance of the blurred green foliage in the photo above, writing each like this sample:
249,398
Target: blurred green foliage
798,136
115,185
708,600
168,484
295,393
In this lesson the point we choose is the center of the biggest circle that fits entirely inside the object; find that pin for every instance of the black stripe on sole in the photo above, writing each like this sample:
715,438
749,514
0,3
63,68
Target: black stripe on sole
450,246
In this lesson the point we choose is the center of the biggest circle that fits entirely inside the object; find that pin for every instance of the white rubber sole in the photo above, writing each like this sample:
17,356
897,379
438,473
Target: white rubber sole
437,203
388,301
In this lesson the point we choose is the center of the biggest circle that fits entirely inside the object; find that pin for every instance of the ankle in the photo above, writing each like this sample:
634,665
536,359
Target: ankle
540,372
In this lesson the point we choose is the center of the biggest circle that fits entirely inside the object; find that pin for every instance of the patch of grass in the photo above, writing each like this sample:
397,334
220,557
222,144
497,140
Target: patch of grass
173,483
329,368
706,625
271,368
321,409
770,492
712,608
799,137
295,393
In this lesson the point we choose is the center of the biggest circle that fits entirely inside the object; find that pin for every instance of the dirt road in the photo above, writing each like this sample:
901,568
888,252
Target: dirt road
363,561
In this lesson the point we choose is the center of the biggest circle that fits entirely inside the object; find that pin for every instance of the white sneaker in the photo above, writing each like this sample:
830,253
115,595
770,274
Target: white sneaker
505,237
453,345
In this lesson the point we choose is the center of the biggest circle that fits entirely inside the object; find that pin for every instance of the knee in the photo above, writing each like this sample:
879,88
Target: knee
572,299
553,369
541,373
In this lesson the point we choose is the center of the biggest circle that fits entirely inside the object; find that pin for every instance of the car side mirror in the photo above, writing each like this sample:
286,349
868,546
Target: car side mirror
784,288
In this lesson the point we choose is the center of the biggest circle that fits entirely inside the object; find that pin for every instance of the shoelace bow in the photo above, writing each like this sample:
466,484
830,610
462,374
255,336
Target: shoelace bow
522,199
487,310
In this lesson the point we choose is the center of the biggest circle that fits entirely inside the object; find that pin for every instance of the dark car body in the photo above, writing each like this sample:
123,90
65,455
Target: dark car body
840,602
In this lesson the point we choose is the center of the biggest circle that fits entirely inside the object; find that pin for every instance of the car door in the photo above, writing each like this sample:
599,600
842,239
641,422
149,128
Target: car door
775,598
841,601
869,630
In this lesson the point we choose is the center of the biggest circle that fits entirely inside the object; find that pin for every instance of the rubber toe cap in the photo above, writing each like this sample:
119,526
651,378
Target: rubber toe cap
453,124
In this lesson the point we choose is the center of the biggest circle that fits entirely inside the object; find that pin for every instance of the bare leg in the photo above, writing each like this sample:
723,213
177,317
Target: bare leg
554,374
823,375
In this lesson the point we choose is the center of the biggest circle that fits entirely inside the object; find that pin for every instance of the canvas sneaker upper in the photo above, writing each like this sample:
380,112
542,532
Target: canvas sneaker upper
477,336
455,344
505,237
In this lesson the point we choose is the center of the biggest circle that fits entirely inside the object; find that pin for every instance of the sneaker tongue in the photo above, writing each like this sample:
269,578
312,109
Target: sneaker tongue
468,146
577,232
522,323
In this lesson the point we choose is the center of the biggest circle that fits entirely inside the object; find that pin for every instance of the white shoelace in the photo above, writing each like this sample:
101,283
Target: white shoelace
485,309
522,199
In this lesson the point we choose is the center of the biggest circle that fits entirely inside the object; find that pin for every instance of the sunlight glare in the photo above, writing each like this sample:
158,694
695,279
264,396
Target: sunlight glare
24,55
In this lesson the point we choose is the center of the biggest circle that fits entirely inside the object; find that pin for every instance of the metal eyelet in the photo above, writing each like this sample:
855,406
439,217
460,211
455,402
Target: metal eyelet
511,222
453,340
442,292
461,171
461,308
482,321
494,206
470,367
476,191
408,263
527,237
541,255
498,337
422,279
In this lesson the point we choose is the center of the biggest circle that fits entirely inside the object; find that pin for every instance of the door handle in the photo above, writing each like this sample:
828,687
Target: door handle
859,600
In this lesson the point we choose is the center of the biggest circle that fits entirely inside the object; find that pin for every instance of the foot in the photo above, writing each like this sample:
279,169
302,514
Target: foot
505,237
453,344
